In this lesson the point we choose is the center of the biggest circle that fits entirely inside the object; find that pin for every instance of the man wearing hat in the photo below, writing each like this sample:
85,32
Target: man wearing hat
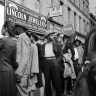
23,72
52,55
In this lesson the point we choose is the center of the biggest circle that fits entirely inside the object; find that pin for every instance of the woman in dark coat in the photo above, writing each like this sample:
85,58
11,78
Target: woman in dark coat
86,82
7,61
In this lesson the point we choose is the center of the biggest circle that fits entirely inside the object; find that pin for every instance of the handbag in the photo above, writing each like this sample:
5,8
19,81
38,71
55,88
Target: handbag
68,70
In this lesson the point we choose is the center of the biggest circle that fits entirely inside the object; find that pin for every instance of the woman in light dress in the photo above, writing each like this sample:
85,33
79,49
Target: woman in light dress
68,53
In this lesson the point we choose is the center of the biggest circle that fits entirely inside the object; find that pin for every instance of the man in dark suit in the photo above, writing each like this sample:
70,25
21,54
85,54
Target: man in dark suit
52,55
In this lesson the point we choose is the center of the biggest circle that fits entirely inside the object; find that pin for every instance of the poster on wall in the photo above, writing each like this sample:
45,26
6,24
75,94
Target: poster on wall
55,11
17,13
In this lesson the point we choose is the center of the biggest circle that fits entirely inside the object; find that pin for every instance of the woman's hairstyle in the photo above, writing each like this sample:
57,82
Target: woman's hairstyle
10,28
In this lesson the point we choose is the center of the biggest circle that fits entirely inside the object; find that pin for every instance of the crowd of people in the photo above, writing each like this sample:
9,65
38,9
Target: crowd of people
50,61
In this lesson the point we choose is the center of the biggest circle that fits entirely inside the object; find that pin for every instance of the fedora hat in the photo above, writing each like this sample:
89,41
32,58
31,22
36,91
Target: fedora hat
21,24
48,33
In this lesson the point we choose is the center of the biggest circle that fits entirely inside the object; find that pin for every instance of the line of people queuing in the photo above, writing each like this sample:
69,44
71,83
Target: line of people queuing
27,57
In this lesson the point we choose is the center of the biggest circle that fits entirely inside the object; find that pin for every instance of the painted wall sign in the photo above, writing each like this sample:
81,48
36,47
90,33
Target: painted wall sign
55,11
18,13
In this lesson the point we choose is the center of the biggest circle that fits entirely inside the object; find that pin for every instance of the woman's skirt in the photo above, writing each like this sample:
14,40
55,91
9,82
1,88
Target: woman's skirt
69,70
7,83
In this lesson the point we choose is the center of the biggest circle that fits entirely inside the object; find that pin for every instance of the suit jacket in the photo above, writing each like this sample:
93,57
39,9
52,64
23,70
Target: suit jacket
7,54
27,58
23,53
33,62
32,68
58,53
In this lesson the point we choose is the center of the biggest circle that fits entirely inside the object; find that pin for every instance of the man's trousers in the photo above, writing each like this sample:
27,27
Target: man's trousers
52,74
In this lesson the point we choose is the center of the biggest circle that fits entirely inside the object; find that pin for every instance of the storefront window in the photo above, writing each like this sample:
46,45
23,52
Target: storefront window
1,17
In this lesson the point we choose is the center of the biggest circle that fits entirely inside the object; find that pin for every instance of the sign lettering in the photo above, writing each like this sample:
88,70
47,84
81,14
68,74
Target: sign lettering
16,12
55,11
